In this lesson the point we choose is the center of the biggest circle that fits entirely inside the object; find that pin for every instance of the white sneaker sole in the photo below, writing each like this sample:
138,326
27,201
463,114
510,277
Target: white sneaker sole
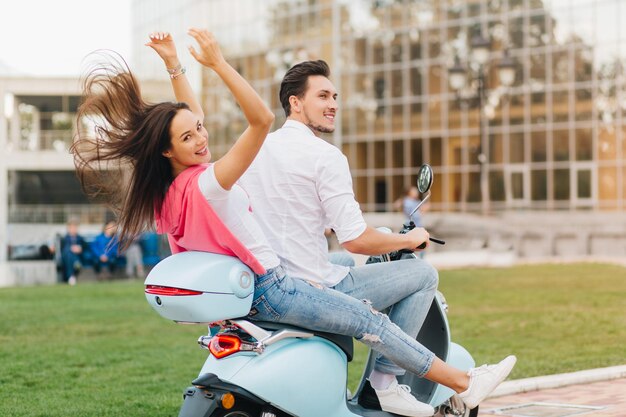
408,413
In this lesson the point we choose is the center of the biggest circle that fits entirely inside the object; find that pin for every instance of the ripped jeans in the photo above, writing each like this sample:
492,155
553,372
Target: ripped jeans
282,299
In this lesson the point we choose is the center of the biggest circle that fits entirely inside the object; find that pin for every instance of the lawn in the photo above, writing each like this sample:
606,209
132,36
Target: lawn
98,349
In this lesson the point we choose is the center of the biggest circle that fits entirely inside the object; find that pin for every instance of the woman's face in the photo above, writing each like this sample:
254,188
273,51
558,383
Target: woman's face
188,142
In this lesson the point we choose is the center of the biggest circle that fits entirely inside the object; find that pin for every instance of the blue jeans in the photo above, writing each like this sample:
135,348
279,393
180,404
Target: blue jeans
282,299
70,262
407,288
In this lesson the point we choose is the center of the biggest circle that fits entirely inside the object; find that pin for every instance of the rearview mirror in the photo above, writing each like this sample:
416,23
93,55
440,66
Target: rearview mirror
424,178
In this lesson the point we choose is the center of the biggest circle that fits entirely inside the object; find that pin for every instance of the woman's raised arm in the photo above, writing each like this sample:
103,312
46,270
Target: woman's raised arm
232,165
163,44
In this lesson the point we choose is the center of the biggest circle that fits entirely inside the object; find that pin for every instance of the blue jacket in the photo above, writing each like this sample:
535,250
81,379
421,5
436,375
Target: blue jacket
100,246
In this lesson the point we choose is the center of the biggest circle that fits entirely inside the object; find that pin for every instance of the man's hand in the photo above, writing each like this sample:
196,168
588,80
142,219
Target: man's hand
417,237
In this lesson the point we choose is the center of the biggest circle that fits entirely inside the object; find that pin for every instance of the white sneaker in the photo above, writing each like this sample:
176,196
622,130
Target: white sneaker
398,399
484,379
72,280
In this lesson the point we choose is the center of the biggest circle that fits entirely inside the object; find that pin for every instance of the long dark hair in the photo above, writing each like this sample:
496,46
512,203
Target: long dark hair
296,81
119,145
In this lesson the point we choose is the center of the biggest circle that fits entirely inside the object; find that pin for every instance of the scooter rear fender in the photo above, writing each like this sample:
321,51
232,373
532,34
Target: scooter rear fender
205,396
303,377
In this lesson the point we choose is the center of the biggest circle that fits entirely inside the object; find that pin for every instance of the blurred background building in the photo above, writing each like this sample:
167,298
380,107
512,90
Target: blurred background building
37,126
517,104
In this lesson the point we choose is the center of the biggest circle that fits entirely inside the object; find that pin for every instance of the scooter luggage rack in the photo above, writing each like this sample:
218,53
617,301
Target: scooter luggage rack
263,337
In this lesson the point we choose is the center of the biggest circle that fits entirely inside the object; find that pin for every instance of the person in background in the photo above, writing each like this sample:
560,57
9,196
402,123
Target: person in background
105,251
409,202
134,260
72,251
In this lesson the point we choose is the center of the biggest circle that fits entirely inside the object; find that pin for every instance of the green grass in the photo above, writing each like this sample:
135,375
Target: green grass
100,350
555,318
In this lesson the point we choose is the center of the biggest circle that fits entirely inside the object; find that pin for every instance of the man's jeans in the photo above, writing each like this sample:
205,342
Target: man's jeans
280,298
406,287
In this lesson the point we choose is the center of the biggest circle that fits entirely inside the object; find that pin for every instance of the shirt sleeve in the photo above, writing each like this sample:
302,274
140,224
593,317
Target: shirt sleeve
209,186
334,187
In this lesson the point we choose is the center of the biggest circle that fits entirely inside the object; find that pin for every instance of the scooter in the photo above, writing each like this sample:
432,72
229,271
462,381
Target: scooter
262,369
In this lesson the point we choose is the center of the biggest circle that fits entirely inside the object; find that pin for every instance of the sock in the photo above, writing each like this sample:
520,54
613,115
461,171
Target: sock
381,381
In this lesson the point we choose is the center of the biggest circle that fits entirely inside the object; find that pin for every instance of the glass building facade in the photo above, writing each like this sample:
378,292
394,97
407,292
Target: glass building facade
552,140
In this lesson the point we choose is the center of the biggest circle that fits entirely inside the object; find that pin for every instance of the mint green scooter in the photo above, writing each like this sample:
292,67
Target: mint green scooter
273,370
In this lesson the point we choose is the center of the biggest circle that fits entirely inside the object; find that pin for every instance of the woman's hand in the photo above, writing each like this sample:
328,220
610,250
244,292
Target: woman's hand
163,44
210,54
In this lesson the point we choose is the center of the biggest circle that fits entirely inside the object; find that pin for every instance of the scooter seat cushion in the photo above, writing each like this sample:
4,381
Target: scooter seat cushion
345,343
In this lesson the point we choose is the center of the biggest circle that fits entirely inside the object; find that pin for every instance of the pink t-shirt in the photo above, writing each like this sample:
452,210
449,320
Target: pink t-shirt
191,223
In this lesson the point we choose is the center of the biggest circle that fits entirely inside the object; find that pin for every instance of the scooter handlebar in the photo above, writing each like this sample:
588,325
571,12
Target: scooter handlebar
439,241
432,239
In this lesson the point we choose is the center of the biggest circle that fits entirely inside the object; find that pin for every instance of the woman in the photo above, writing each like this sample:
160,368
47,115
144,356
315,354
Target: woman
200,207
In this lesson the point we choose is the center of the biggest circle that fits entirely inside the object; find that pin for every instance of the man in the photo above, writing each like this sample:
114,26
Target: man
105,248
299,185
72,251
409,203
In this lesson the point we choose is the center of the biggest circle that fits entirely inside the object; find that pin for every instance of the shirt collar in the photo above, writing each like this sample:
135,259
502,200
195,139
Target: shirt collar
299,125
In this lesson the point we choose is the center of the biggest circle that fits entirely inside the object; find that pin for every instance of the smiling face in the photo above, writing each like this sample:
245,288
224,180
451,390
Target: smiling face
317,107
188,142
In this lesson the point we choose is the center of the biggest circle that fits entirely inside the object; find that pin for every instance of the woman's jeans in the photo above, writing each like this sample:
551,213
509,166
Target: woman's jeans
282,299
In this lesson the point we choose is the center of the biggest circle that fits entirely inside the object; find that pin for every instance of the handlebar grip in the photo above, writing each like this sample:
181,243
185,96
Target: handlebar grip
441,242
422,246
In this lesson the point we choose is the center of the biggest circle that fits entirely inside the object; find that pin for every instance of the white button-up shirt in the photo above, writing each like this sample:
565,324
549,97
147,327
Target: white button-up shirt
299,185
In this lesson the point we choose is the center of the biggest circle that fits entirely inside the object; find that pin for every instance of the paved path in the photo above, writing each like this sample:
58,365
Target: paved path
603,399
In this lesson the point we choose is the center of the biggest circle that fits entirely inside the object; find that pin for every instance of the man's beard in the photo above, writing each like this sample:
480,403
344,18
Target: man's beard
317,127
320,128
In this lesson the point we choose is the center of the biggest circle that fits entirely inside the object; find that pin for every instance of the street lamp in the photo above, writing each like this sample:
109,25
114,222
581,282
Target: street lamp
457,77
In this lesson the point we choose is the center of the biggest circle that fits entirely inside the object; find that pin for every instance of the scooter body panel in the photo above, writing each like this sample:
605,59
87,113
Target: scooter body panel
226,368
304,377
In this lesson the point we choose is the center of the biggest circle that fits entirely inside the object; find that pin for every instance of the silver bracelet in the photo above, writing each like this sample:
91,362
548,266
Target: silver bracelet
180,72
174,70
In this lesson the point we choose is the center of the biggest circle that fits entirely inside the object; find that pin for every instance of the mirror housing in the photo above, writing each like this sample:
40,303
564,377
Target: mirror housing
424,178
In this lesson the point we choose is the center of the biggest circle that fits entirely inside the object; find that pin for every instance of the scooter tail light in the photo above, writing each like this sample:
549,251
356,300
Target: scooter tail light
161,290
222,345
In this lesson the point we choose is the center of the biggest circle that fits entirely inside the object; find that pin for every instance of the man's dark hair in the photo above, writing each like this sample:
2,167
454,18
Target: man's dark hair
295,81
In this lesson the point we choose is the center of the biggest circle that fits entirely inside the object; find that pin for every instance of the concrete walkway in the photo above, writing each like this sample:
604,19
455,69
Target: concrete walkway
596,392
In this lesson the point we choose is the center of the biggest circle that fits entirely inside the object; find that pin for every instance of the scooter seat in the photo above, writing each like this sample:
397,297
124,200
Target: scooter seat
345,343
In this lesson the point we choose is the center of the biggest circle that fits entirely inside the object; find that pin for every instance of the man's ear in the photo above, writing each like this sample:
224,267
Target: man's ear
294,102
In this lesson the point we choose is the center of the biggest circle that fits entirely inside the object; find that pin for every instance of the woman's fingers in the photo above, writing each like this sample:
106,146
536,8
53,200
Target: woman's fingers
203,36
208,52
193,53
160,36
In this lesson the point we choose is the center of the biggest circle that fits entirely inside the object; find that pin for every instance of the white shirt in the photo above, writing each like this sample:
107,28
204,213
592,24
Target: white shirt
232,207
299,185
